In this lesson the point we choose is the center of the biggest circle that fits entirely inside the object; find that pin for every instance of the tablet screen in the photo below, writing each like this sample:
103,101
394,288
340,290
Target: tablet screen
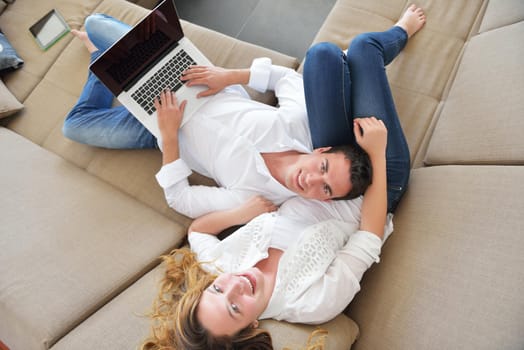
49,29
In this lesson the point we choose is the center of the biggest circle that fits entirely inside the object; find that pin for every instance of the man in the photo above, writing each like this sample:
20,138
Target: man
247,147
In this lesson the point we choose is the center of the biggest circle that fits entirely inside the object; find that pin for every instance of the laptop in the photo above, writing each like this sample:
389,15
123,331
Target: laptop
149,59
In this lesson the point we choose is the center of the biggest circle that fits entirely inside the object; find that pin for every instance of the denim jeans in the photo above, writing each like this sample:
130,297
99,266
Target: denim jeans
93,120
340,87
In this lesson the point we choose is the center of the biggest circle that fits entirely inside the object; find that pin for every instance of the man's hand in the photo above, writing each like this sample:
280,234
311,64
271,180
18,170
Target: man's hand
215,78
169,114
169,118
371,134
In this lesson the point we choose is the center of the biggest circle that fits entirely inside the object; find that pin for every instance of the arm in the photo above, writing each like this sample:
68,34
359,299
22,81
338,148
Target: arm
323,297
261,76
215,78
371,135
170,115
215,222
287,84
195,200
322,300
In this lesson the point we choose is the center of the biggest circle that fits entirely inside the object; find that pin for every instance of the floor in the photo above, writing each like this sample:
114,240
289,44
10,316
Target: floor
287,26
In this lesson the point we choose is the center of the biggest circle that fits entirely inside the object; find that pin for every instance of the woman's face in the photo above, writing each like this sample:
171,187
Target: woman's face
233,302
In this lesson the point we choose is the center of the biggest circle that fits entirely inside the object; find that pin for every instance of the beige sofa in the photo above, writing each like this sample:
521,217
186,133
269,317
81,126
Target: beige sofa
82,228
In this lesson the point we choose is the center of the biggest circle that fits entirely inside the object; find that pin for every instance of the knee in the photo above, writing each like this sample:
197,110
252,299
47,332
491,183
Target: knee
92,21
323,52
73,126
362,42
98,23
68,129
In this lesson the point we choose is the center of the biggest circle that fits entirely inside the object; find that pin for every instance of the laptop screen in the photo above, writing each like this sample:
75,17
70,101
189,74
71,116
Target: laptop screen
142,47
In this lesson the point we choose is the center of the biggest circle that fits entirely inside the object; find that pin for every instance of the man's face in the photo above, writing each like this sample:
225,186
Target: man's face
320,175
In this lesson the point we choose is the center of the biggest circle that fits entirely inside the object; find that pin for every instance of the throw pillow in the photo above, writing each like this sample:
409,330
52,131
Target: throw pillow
9,59
8,103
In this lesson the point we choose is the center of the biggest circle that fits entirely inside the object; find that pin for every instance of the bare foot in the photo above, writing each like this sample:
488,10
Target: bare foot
412,20
85,39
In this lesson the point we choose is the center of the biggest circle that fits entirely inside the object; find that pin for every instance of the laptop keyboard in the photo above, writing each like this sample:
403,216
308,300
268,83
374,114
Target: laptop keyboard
166,77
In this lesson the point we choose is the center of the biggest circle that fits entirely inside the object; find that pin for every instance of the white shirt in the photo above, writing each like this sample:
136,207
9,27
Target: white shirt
224,140
321,268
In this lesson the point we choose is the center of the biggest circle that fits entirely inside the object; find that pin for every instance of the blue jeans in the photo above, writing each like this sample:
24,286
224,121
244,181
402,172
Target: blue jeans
340,87
93,120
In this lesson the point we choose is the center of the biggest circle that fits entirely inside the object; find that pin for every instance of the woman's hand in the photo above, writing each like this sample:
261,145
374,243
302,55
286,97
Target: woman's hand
215,78
371,134
215,222
169,114
254,207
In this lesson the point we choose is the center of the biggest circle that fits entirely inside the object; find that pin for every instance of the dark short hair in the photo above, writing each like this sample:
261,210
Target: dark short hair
360,171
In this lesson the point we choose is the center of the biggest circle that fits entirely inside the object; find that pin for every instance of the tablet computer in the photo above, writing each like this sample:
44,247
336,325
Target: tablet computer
49,29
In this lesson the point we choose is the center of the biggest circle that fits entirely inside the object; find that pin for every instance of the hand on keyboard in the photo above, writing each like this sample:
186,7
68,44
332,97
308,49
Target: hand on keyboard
215,78
169,114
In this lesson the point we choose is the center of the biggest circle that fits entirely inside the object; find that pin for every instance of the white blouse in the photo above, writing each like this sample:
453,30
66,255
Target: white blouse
323,263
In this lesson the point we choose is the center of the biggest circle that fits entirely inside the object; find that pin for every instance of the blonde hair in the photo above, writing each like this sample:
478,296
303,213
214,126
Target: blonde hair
174,322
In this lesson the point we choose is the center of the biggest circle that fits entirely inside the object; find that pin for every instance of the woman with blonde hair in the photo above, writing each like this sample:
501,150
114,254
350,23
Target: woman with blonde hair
175,322
302,263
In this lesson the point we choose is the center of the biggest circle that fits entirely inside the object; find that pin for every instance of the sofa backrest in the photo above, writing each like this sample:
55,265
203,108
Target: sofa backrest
481,120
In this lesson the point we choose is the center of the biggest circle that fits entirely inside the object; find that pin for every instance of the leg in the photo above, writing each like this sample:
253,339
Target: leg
327,89
371,96
93,120
338,88
104,30
367,57
359,87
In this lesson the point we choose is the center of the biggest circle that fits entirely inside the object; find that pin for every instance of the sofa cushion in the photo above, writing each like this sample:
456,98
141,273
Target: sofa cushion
481,120
8,103
15,22
69,243
122,324
502,13
419,75
451,275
